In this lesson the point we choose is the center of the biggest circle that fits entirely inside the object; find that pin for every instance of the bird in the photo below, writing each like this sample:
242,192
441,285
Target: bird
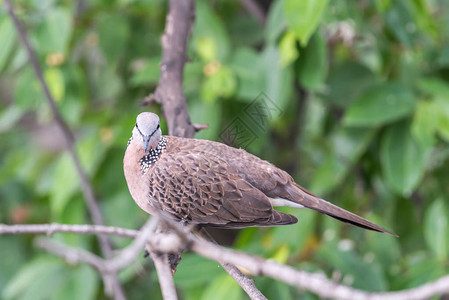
210,184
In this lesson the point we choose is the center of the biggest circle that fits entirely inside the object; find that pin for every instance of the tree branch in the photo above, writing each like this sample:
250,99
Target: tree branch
246,283
129,254
69,140
165,276
314,282
74,256
169,91
50,229
111,266
107,268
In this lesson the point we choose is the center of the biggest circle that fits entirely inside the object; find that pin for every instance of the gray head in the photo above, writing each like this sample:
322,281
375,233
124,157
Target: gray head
147,130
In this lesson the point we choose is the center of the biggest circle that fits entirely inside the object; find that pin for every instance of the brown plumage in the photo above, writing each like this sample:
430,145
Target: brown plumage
211,184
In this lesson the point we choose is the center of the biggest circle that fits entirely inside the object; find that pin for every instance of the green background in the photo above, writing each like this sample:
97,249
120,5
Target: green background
361,91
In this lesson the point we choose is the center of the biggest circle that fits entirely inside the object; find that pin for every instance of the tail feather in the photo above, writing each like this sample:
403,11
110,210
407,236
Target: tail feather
303,197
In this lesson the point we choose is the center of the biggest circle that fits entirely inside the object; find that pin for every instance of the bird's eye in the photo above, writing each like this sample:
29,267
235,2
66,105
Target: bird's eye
158,126
137,126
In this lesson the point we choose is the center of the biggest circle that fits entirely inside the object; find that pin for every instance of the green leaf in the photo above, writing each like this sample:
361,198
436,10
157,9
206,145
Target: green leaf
55,32
423,15
113,31
278,85
110,78
275,21
28,282
210,32
27,91
438,108
363,275
195,270
7,40
380,104
14,253
80,283
56,84
220,84
399,20
148,74
382,248
436,87
206,48
279,290
425,124
382,5
281,254
66,180
346,81
348,144
443,58
442,117
436,229
91,150
304,16
301,231
312,65
248,67
205,112
74,212
9,117
60,281
351,143
403,159
222,288
288,49
328,175
64,185
421,270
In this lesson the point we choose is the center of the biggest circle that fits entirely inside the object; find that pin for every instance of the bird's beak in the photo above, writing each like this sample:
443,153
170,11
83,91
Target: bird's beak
146,140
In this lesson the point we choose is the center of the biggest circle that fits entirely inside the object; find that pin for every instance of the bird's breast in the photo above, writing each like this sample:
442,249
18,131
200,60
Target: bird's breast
136,179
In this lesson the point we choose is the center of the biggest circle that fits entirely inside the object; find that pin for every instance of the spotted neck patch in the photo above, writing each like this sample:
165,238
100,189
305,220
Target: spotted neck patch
153,155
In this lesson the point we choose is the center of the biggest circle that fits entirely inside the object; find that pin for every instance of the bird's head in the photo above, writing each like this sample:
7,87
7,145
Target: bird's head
147,130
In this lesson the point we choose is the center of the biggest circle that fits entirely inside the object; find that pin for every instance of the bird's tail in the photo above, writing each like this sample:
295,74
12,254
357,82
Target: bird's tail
307,199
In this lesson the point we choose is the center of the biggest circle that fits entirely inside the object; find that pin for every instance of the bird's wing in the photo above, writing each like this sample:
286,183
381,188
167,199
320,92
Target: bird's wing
278,184
259,173
201,188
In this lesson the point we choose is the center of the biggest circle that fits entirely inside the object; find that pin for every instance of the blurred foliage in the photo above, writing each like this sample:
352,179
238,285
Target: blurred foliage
361,91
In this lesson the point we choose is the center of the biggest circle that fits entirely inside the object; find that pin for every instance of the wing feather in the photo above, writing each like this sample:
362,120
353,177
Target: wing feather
204,189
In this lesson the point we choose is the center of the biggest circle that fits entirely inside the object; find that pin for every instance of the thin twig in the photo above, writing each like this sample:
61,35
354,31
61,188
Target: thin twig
129,254
72,255
164,274
75,255
199,127
246,283
110,266
50,229
314,282
86,187
107,268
